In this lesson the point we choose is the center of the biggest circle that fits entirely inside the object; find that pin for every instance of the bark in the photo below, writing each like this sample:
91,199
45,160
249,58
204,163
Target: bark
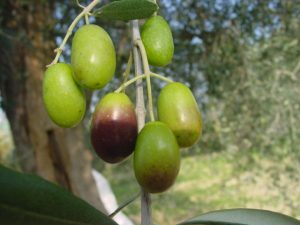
57,154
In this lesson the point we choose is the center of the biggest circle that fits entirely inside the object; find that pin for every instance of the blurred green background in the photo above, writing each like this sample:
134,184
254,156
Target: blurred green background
241,59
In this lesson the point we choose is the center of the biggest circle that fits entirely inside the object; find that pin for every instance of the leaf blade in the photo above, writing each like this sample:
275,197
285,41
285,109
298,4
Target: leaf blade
242,217
126,10
27,199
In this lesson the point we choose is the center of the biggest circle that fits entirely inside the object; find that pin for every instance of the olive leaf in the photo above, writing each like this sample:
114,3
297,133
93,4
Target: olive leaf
242,217
127,10
28,199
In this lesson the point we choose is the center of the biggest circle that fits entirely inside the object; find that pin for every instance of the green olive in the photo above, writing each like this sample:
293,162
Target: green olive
158,41
93,57
178,108
156,157
63,98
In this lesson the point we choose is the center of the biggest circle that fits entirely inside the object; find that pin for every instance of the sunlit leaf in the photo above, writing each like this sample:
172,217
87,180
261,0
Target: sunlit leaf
30,200
127,10
242,217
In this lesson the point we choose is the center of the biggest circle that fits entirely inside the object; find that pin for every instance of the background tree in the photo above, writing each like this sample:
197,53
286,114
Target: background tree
27,44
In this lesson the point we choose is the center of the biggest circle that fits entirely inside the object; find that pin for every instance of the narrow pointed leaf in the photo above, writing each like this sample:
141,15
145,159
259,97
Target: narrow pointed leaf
30,200
127,10
242,217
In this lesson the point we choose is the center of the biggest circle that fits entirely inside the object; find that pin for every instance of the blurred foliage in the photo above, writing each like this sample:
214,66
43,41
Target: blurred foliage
240,58
260,105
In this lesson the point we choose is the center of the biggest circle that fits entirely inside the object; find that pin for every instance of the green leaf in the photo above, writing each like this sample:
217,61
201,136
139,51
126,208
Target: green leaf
30,200
242,217
127,10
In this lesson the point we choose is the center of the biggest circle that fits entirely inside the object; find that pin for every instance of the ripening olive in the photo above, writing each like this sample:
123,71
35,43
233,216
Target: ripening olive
156,157
178,108
158,41
114,127
63,98
93,57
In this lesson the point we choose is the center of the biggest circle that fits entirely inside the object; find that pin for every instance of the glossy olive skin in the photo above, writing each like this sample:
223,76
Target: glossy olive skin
64,100
178,108
158,41
114,128
93,57
156,157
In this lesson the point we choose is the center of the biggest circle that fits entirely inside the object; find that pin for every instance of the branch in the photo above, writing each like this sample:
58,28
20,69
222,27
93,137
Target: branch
140,110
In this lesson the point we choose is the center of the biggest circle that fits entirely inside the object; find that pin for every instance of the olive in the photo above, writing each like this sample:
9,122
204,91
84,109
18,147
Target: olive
156,157
63,98
114,127
178,108
93,57
158,41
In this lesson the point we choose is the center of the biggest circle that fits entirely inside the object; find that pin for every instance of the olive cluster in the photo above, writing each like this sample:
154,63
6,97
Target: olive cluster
114,129
93,63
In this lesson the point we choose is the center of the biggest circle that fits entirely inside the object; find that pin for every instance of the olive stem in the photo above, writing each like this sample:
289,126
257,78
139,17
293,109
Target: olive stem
141,46
86,17
78,3
84,12
131,81
126,73
161,77
124,204
140,109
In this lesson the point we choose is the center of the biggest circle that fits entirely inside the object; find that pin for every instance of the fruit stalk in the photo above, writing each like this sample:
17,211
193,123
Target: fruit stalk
140,110
126,73
140,44
84,12
131,81
161,77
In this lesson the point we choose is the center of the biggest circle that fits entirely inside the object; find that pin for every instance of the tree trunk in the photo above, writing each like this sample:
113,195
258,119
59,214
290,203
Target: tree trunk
57,154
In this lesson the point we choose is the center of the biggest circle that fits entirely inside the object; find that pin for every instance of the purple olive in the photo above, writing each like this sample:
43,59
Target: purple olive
114,128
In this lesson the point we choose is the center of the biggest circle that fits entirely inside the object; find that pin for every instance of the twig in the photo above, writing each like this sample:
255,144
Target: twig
161,77
81,6
131,81
140,109
126,73
141,46
84,12
124,204
127,83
